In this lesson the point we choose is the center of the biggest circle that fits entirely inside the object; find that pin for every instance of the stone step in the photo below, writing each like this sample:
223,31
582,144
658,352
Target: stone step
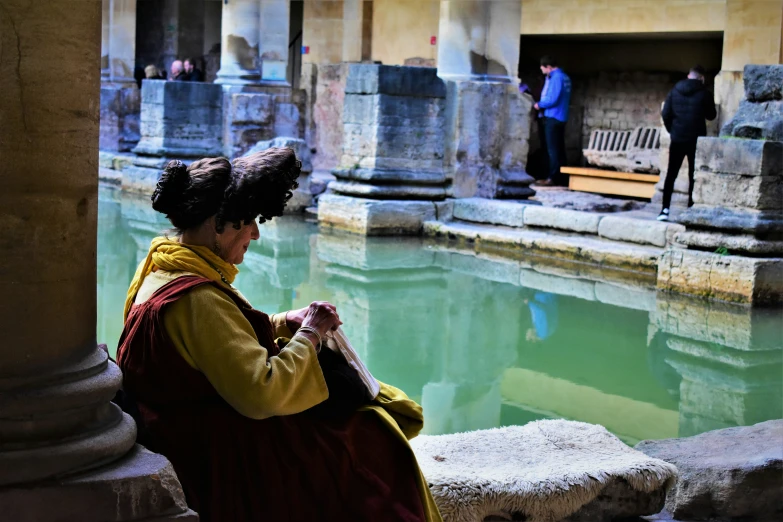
571,247
519,214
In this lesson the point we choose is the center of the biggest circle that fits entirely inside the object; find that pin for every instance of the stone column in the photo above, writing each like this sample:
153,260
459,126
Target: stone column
273,41
488,120
66,451
353,18
240,43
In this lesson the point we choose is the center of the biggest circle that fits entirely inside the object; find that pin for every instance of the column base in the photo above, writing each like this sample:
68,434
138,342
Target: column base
142,486
373,217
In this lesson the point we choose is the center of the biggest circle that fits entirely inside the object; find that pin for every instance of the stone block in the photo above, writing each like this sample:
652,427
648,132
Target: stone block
766,224
374,217
737,191
740,157
734,473
180,119
301,149
287,120
255,108
395,80
763,82
493,211
642,231
559,218
734,243
119,116
368,253
140,486
757,121
738,279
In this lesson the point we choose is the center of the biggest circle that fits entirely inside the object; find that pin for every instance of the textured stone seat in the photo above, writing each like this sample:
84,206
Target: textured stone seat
546,470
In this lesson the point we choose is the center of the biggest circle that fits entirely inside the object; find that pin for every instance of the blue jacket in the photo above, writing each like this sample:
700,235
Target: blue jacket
556,96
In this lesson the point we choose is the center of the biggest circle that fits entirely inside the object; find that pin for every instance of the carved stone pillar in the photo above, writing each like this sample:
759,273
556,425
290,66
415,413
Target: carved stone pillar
239,44
66,451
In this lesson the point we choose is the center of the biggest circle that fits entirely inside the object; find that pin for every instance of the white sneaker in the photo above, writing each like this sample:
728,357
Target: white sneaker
664,215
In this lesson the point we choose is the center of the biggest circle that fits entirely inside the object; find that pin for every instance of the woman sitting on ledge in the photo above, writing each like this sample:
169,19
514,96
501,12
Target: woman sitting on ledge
258,422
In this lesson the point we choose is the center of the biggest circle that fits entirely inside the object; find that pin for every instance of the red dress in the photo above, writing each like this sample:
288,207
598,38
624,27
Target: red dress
235,469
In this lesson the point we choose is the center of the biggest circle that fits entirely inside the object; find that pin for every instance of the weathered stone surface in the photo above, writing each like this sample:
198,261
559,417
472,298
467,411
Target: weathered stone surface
741,157
140,486
496,212
324,85
735,191
572,220
396,191
395,80
180,119
374,217
372,253
490,269
247,119
767,224
763,82
585,201
731,278
287,120
301,149
757,121
636,150
642,231
726,474
734,243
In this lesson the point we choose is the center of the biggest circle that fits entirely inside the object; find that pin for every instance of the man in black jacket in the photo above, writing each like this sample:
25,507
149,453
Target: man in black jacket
684,112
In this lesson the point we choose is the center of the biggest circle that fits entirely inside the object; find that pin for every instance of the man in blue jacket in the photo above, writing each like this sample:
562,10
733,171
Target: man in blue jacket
555,100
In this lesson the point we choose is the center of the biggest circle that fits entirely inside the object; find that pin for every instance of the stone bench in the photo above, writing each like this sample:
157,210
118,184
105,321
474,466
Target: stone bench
603,181
546,470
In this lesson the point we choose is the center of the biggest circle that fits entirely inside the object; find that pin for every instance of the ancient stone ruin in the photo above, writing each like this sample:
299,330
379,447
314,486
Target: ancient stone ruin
636,150
734,231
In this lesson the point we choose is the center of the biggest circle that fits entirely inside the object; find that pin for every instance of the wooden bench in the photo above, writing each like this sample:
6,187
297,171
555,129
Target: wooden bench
611,182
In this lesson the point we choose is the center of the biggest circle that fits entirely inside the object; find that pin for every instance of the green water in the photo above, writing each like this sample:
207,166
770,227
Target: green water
485,342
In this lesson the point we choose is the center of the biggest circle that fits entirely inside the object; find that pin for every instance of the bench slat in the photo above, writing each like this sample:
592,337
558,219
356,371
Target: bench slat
600,173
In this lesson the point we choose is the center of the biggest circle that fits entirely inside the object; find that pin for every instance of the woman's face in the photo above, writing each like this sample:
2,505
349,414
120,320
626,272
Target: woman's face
234,243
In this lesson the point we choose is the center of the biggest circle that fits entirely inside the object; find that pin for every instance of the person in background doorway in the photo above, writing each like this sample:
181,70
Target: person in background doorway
555,101
177,72
192,73
685,110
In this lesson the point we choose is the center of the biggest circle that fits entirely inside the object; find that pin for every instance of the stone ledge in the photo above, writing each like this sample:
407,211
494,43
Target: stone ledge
561,246
739,156
140,486
493,211
736,279
563,219
642,231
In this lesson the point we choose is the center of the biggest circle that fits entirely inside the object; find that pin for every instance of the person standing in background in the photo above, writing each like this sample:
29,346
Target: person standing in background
177,72
555,101
685,110
192,73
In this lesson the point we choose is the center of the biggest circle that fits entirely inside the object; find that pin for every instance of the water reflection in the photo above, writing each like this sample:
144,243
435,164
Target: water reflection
483,342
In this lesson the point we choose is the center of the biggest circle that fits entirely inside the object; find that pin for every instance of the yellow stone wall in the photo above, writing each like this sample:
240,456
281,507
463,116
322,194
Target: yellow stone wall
753,33
621,16
322,31
402,29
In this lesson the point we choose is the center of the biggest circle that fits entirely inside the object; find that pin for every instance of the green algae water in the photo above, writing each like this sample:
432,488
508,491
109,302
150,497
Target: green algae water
483,342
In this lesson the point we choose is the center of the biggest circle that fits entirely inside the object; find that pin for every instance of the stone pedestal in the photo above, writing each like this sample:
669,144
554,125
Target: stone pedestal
391,169
120,111
487,134
252,114
273,41
487,120
179,120
57,423
303,196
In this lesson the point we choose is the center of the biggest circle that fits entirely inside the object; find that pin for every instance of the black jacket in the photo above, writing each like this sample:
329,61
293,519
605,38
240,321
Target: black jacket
686,108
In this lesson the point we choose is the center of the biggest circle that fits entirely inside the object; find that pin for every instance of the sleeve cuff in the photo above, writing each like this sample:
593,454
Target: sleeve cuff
280,325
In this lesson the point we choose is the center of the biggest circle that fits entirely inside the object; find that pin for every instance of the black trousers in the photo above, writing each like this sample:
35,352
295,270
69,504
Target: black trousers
554,137
677,152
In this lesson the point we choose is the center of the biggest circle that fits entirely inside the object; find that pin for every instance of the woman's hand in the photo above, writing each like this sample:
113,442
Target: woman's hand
294,318
320,315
